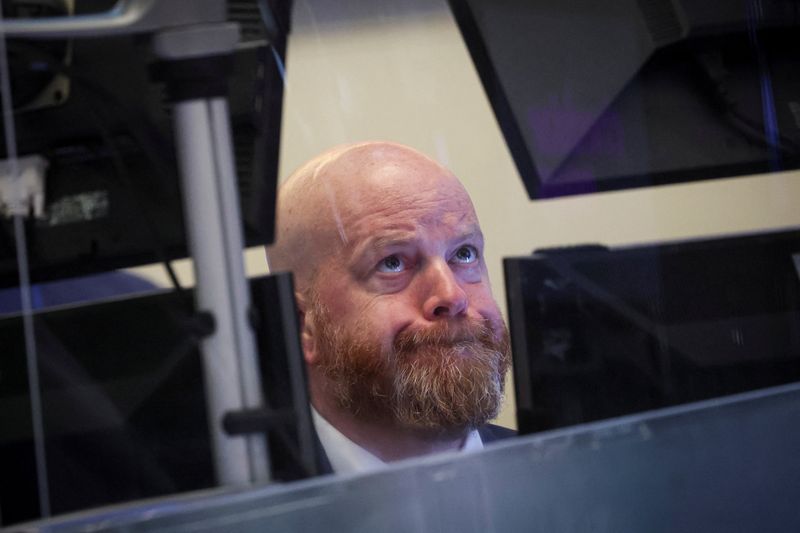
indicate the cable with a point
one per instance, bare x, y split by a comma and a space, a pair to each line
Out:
34, 386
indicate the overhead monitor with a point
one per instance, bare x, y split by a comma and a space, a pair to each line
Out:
599, 96
90, 109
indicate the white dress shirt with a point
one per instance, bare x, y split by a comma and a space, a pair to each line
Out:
347, 457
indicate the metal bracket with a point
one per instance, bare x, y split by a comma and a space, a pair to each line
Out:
125, 18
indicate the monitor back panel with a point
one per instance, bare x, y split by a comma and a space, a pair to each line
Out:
599, 333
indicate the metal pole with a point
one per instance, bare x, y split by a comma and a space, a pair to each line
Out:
229, 354
250, 382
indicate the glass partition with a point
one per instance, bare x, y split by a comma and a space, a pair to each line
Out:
715, 466
101, 359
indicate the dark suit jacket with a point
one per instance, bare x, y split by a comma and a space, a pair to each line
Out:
489, 433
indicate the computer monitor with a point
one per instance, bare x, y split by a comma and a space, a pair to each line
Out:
603, 332
123, 400
112, 185
599, 96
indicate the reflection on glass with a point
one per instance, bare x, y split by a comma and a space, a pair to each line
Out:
129, 385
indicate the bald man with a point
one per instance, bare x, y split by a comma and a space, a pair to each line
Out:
404, 344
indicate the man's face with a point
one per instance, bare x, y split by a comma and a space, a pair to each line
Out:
400, 315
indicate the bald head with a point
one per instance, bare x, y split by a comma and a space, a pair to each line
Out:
321, 204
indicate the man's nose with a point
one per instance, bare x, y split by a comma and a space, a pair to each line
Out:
444, 296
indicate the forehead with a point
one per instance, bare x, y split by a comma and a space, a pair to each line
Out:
399, 196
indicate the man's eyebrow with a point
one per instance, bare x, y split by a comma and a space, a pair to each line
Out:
471, 233
376, 243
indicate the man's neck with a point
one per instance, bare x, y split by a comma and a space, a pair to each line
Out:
384, 438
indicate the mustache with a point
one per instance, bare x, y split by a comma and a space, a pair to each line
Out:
445, 334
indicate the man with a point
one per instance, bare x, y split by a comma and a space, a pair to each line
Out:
405, 346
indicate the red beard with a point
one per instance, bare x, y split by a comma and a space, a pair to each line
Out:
446, 378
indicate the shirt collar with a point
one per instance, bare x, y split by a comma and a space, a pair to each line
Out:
347, 457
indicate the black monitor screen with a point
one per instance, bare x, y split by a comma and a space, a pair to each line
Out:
597, 96
90, 108
599, 333
123, 400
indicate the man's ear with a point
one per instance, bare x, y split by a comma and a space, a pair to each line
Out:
305, 324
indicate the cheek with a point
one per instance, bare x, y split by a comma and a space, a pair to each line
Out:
386, 317
335, 292
378, 319
483, 303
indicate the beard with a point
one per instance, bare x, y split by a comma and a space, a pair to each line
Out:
446, 378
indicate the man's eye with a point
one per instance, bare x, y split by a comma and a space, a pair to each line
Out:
466, 255
391, 263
